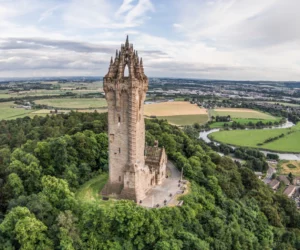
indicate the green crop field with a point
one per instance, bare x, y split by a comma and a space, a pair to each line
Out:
4, 96
243, 121
286, 104
7, 112
251, 138
242, 116
182, 120
74, 103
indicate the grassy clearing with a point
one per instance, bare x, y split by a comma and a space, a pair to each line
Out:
250, 138
182, 120
242, 113
287, 167
90, 191
173, 109
75, 103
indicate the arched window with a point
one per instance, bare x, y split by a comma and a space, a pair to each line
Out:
126, 71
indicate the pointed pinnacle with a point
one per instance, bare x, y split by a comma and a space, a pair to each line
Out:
141, 62
111, 60
127, 41
116, 53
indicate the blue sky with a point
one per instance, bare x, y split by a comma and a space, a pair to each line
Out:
215, 39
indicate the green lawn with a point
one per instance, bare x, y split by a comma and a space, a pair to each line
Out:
182, 120
7, 113
244, 121
90, 191
250, 138
75, 103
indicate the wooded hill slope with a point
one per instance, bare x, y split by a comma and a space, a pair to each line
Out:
44, 160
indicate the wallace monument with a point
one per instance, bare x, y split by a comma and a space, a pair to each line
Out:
133, 167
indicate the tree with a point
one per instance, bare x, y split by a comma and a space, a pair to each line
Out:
291, 177
14, 185
57, 192
31, 234
68, 232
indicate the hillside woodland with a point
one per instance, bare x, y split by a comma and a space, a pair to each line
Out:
44, 160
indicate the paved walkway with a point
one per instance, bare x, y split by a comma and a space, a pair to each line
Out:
167, 191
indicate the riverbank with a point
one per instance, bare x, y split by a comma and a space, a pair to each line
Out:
204, 135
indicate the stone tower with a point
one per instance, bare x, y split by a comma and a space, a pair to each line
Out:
125, 94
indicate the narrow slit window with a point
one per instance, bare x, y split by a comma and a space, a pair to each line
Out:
119, 118
120, 178
119, 150
126, 71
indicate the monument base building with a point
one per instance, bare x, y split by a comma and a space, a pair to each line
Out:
133, 168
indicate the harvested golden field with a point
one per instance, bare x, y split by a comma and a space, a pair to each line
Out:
173, 108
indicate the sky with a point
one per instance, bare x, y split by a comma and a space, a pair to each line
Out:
206, 39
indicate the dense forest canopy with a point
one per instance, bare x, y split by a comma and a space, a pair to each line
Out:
44, 160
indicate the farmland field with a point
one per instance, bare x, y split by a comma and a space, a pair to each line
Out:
242, 116
253, 138
74, 103
173, 108
243, 121
178, 113
182, 120
241, 113
7, 112
287, 104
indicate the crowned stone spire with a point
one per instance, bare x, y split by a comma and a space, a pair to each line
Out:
127, 41
125, 95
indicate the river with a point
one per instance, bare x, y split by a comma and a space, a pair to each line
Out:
282, 156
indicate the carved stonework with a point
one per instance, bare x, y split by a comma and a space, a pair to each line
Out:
129, 177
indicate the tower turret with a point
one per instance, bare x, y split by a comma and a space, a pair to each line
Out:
125, 97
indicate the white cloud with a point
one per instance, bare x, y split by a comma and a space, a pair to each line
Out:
126, 6
233, 39
105, 14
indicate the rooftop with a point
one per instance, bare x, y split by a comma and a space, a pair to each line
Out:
289, 190
153, 156
274, 183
